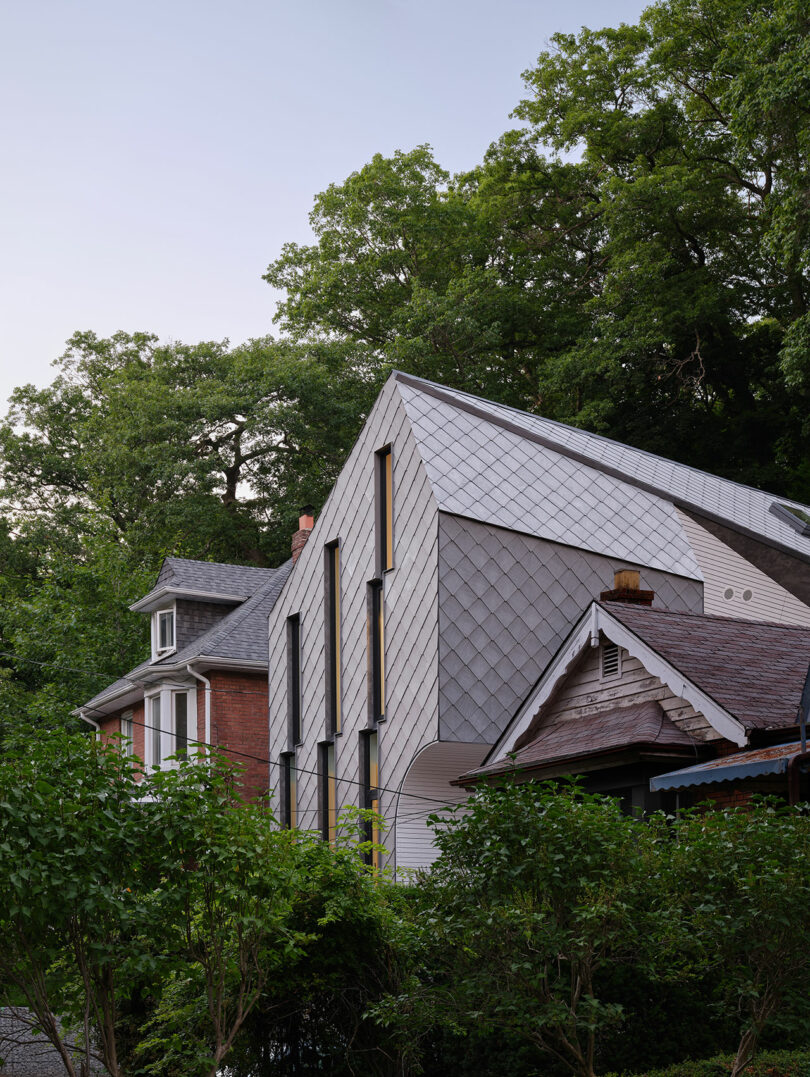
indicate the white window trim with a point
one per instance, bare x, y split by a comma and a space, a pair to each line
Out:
167, 730
157, 651
127, 739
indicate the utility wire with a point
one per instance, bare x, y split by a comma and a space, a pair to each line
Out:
298, 770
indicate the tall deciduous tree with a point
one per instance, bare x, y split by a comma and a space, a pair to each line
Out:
634, 259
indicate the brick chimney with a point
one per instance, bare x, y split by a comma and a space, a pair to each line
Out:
626, 589
306, 521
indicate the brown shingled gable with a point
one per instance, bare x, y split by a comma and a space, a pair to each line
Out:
755, 670
638, 726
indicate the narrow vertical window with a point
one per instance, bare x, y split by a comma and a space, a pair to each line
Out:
328, 797
385, 510
289, 814
376, 644
126, 733
293, 680
180, 747
333, 701
370, 794
155, 730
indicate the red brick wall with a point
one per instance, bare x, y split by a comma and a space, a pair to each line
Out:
111, 726
726, 795
239, 722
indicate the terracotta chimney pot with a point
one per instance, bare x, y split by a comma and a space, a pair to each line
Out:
306, 521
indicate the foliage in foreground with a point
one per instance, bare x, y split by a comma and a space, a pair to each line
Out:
157, 918
543, 900
768, 1064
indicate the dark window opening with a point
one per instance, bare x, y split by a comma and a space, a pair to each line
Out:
294, 680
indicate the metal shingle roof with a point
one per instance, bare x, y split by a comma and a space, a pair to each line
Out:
482, 471
742, 507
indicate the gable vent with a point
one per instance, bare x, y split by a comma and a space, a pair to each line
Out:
610, 660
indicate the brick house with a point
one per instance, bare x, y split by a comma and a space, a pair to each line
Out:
206, 677
454, 555
663, 709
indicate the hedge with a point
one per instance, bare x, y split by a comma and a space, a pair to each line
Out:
766, 1064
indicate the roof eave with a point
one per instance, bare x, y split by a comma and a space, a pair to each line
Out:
156, 597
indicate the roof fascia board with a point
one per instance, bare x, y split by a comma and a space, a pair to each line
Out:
549, 443
586, 632
120, 698
152, 600
681, 686
208, 661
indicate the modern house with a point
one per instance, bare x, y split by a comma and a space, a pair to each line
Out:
206, 677
664, 709
456, 552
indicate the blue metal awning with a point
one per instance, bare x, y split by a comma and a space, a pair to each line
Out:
728, 768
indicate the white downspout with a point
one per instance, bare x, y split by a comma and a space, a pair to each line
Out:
91, 722
207, 684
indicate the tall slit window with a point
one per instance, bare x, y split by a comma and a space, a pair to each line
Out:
289, 814
126, 733
385, 510
333, 686
155, 730
328, 797
376, 643
294, 680
370, 793
180, 724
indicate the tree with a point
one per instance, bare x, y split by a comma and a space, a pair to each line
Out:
634, 260
138, 450
740, 909
534, 893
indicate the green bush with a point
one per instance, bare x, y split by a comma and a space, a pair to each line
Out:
767, 1064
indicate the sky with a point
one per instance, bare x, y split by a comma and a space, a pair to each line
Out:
155, 155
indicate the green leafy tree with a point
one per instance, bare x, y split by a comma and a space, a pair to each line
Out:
740, 910
534, 893
633, 260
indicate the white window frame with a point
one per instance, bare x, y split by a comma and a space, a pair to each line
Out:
166, 735
157, 650
126, 730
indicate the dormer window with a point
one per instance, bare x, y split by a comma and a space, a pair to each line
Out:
163, 639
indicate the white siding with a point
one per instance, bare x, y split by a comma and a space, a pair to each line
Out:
411, 633
584, 692
726, 571
425, 787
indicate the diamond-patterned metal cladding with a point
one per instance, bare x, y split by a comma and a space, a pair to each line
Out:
506, 602
742, 505
479, 470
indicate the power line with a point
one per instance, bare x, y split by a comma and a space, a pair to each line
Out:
298, 770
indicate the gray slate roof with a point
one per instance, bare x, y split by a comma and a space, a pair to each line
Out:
508, 467
211, 576
240, 636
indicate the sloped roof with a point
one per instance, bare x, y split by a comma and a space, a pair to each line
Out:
521, 471
731, 768
241, 636
754, 670
212, 576
638, 726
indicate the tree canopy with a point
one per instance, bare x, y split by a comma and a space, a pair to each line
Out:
632, 257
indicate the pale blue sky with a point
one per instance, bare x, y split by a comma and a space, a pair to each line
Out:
156, 155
